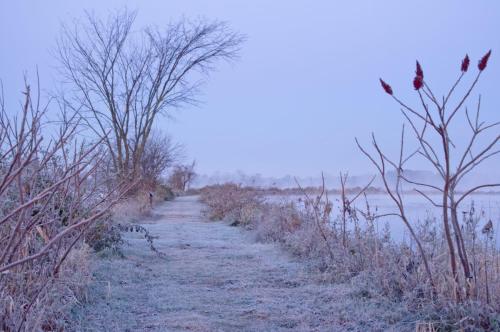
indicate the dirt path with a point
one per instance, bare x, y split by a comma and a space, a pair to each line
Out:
214, 278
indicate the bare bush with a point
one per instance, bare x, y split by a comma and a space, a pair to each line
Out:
160, 154
182, 176
50, 195
231, 201
272, 222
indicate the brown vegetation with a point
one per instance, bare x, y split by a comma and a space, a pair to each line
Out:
231, 201
378, 266
51, 194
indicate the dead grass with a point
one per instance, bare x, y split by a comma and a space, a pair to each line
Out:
377, 266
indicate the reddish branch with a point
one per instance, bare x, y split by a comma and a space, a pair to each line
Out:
434, 118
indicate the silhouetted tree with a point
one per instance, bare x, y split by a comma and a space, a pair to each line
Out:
182, 176
124, 78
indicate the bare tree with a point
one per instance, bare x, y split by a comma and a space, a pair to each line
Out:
182, 176
160, 154
431, 126
125, 79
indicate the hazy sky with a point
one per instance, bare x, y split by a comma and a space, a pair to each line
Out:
307, 80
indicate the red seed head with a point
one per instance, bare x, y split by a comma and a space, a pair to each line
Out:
465, 63
419, 72
387, 88
418, 82
484, 61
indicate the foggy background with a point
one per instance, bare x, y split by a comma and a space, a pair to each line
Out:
307, 80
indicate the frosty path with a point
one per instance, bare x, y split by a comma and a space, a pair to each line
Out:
214, 278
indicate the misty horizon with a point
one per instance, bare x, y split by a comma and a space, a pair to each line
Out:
332, 181
321, 66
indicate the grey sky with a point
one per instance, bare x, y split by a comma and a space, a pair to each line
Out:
307, 80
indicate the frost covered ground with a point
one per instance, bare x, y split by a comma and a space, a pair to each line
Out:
217, 278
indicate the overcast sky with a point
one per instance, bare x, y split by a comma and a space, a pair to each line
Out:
307, 80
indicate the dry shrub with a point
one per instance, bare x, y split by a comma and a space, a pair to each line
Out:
164, 193
231, 201
275, 220
51, 194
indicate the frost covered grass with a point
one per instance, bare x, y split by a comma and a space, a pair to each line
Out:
377, 266
218, 278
